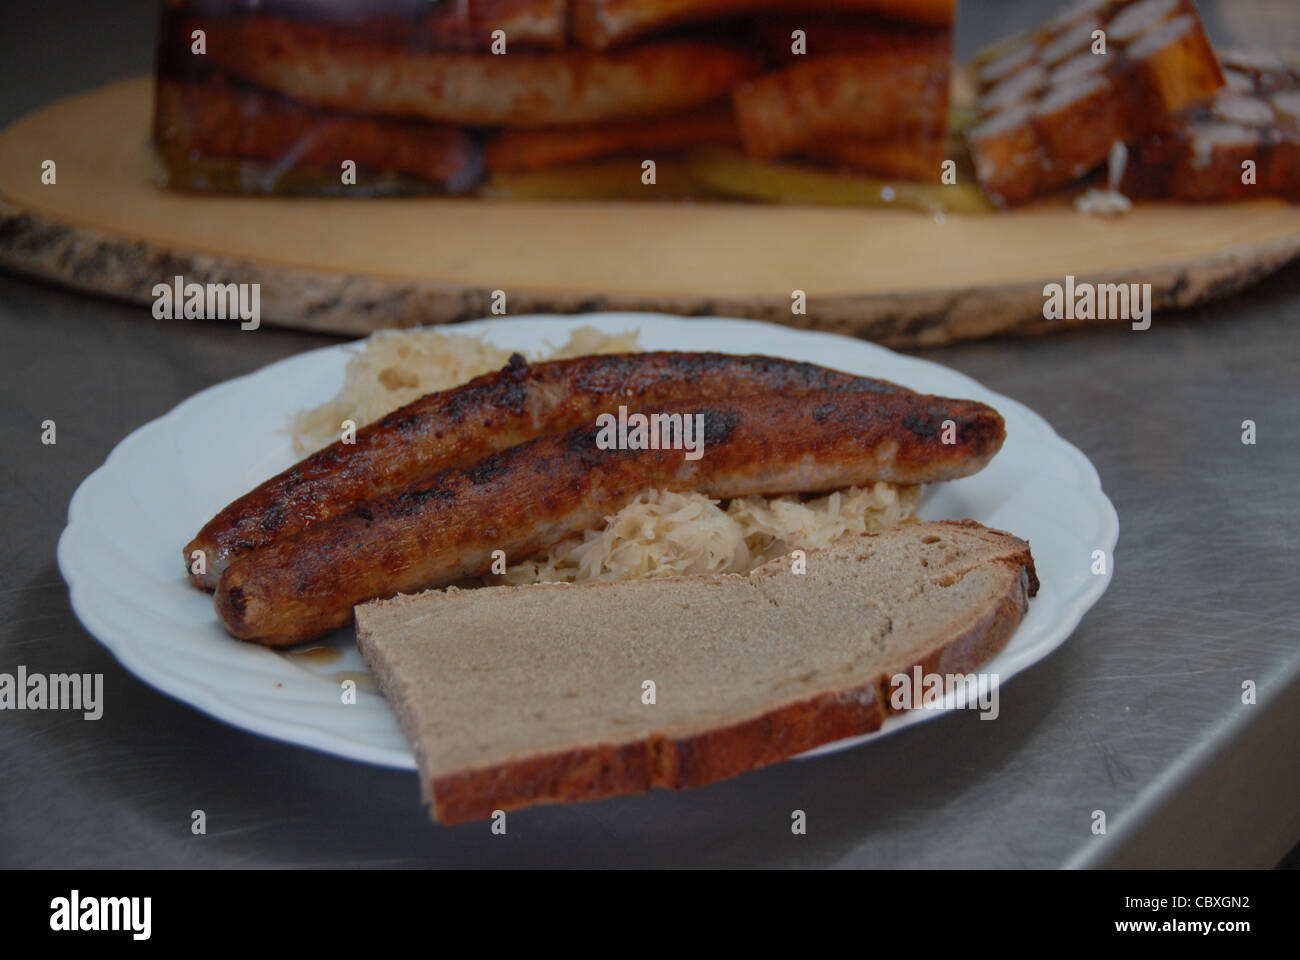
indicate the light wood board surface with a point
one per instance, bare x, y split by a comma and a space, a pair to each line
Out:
353, 266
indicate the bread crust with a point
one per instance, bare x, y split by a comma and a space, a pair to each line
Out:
696, 759
608, 770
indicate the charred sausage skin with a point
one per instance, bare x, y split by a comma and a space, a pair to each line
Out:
493, 412
529, 497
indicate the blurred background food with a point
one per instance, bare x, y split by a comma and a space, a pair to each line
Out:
840, 102
825, 172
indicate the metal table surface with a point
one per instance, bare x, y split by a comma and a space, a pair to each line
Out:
1139, 714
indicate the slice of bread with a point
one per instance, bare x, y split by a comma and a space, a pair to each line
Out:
512, 696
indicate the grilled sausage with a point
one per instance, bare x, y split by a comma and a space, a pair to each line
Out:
460, 426
215, 120
524, 89
526, 499
1050, 108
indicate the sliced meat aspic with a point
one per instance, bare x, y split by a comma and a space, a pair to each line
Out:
528, 89
460, 426
997, 68
1053, 105
1235, 108
1076, 68
1009, 158
1243, 144
1131, 21
1018, 87
217, 120
1287, 105
1202, 161
1069, 43
526, 499
1176, 68
603, 23
1072, 13
1078, 122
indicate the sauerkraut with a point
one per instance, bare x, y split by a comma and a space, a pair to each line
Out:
395, 367
665, 534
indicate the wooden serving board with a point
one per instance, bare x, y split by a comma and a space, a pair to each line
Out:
353, 266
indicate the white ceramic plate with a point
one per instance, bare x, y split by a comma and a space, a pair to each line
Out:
129, 519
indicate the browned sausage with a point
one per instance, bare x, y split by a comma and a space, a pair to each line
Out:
523, 89
460, 426
215, 120
532, 496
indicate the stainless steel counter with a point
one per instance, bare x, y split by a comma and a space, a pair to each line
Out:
1139, 714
